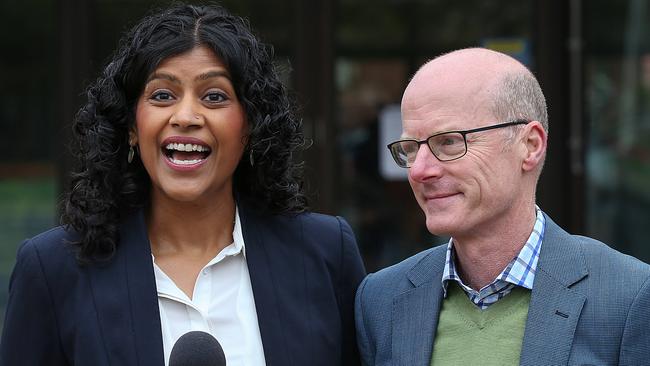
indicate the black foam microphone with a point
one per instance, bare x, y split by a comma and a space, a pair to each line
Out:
197, 348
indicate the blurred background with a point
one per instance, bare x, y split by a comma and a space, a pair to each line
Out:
348, 61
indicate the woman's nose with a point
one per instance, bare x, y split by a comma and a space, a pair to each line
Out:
186, 115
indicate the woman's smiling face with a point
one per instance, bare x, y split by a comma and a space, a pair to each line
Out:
190, 128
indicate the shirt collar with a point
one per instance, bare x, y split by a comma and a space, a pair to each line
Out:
238, 237
519, 272
164, 284
235, 247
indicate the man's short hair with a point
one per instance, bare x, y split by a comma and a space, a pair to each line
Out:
519, 96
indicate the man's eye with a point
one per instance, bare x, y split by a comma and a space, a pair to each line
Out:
449, 141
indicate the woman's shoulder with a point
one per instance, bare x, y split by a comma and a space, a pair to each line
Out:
305, 232
316, 218
50, 248
52, 240
324, 233
318, 238
310, 222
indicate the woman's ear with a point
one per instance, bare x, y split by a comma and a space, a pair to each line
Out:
534, 138
246, 134
133, 136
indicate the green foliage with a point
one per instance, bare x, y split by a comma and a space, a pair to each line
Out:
27, 207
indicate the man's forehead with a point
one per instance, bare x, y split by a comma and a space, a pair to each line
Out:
472, 60
432, 119
465, 71
425, 101
437, 84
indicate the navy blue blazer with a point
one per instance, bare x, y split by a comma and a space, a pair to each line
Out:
304, 272
590, 305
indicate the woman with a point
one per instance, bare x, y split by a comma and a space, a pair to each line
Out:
186, 213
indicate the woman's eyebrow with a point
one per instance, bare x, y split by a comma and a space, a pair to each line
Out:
164, 76
213, 74
201, 77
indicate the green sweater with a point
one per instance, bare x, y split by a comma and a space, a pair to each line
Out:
467, 335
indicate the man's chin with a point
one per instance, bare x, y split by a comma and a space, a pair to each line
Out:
440, 227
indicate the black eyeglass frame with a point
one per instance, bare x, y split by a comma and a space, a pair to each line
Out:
464, 133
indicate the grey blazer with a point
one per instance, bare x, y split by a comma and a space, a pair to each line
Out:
590, 305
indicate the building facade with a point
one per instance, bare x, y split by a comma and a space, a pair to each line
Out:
348, 62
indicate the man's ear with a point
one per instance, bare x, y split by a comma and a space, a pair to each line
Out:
534, 138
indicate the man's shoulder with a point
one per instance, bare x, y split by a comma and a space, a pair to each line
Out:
601, 256
400, 268
395, 278
604, 266
596, 253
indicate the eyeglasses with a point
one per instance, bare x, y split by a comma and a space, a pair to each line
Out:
445, 146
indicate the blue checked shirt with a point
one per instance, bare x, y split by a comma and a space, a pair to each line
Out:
519, 272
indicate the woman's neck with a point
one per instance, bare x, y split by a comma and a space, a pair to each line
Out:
180, 227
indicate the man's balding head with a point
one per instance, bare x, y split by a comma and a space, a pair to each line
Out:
466, 102
506, 87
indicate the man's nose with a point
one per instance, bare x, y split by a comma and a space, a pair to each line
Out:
425, 166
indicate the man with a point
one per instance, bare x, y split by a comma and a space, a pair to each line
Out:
511, 287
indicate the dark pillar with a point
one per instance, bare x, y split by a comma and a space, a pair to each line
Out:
313, 67
559, 70
74, 72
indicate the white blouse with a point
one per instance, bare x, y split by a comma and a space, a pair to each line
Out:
222, 305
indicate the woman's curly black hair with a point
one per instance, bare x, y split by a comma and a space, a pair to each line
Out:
105, 186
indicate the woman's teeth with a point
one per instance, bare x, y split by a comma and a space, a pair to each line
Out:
186, 154
185, 162
186, 147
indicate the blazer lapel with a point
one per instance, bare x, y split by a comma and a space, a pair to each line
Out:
554, 307
276, 351
415, 312
125, 296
